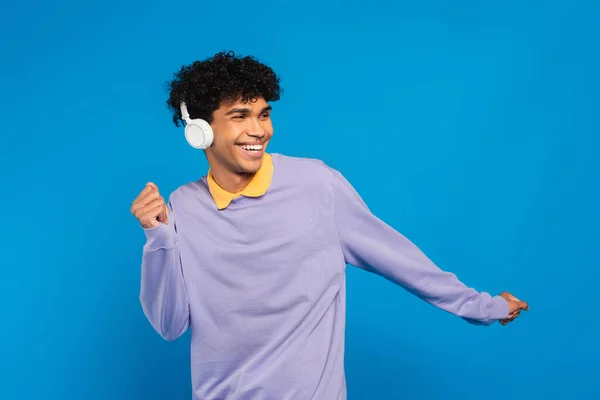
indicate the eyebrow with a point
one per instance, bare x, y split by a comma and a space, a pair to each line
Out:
246, 110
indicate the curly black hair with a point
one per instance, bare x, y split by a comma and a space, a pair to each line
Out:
204, 85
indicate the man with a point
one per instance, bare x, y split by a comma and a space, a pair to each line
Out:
252, 256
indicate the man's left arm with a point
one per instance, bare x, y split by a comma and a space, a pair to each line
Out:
370, 244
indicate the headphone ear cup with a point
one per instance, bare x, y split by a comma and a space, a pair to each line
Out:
199, 134
209, 135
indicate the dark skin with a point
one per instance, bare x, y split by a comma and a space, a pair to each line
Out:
234, 124
515, 306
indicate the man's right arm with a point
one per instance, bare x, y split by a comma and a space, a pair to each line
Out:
162, 293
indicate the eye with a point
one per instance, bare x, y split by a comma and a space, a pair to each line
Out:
238, 117
265, 115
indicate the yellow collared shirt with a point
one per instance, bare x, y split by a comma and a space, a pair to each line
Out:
257, 187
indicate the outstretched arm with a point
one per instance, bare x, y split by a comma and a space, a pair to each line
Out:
370, 244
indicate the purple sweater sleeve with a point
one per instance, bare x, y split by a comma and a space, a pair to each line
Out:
162, 294
372, 245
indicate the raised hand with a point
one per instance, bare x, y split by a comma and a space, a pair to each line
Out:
149, 207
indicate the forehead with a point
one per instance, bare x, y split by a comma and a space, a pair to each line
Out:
256, 105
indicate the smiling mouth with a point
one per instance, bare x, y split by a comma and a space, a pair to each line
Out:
251, 148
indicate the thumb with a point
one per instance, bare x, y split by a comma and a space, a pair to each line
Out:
513, 298
163, 216
515, 306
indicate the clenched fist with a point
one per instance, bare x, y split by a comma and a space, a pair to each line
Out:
514, 306
149, 207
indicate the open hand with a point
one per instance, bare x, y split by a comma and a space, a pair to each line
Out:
514, 306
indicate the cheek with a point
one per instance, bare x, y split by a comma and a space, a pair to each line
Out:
226, 136
268, 127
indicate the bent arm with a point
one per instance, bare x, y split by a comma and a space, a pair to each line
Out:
370, 244
162, 293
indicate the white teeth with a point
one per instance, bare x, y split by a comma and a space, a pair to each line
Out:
251, 147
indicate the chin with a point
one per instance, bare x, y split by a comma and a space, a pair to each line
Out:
248, 162
250, 167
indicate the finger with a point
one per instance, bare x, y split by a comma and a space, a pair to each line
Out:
144, 200
150, 213
148, 188
140, 209
162, 217
517, 306
154, 204
512, 316
148, 198
150, 191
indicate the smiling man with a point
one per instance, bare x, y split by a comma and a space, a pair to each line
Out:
238, 150
252, 256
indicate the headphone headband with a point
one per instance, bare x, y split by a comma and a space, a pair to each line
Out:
185, 115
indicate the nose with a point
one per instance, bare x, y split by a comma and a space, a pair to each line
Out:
256, 129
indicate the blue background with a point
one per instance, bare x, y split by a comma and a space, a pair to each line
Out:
470, 126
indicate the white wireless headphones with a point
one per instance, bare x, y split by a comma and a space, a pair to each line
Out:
198, 132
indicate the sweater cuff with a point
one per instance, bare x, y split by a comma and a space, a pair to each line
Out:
499, 308
161, 236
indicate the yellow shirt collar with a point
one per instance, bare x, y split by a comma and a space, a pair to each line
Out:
257, 187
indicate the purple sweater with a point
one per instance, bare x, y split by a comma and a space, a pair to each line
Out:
262, 282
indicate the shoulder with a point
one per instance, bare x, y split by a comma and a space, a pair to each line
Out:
316, 176
303, 169
190, 193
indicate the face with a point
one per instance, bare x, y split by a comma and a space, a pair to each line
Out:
241, 134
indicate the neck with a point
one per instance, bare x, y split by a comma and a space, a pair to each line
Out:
231, 181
